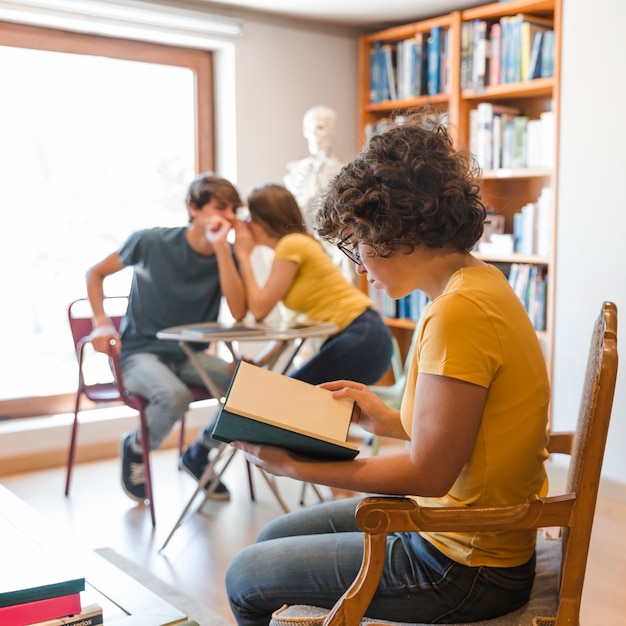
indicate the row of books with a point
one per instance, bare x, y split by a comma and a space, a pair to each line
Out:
410, 307
501, 137
420, 65
530, 284
532, 226
516, 48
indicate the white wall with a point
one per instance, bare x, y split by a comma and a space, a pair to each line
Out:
591, 253
282, 68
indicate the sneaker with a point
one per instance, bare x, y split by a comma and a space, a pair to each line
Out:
194, 461
133, 471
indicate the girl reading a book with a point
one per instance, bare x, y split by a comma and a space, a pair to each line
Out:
408, 212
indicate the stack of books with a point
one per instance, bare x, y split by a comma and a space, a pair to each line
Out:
39, 585
47, 600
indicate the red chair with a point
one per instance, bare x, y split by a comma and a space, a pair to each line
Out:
111, 391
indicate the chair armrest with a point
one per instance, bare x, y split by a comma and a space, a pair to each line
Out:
375, 515
378, 515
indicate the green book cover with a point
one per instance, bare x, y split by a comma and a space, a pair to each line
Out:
17, 594
232, 427
34, 572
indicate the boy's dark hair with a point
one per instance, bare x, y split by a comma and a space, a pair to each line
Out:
207, 186
409, 187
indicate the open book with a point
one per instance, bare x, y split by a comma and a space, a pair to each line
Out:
265, 407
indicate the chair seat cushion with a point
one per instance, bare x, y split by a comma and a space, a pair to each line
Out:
543, 599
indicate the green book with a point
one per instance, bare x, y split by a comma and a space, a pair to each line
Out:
265, 407
32, 572
11, 595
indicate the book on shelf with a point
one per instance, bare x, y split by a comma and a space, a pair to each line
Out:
534, 145
375, 72
39, 610
406, 59
495, 41
434, 58
548, 138
480, 57
520, 125
445, 61
421, 64
534, 63
265, 407
467, 40
388, 72
91, 615
547, 54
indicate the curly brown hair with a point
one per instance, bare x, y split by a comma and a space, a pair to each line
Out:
409, 187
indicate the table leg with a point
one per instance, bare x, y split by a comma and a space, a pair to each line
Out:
208, 383
209, 477
209, 473
271, 483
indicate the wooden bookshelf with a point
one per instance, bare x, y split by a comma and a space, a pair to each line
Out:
506, 190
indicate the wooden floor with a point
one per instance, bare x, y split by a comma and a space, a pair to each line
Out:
98, 514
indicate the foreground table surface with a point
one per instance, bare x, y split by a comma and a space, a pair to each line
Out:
125, 602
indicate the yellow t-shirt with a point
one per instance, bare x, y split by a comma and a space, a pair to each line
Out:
319, 290
479, 332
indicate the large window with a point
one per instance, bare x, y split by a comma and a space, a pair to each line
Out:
98, 137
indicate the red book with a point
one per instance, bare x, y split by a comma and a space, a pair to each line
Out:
40, 610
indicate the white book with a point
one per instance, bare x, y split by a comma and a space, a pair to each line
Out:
473, 130
544, 222
496, 135
484, 137
548, 138
530, 228
534, 144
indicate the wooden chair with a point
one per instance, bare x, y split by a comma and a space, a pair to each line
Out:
112, 389
561, 562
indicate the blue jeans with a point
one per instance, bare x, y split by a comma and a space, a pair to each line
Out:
312, 555
360, 352
165, 387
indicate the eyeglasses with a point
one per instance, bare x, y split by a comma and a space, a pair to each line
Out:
351, 253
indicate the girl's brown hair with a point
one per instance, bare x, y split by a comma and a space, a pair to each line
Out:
276, 209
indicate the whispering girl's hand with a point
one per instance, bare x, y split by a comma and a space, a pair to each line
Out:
244, 240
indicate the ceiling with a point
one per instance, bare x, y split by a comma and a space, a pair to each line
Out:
372, 13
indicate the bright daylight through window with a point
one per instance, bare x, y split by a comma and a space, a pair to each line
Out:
91, 148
